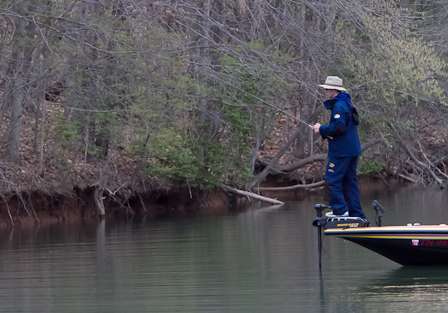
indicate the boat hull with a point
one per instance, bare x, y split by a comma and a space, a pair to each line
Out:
406, 245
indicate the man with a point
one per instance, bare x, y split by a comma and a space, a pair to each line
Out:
344, 149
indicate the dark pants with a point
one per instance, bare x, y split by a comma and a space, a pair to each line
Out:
343, 185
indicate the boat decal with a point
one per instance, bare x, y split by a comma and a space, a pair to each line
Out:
397, 236
430, 243
348, 225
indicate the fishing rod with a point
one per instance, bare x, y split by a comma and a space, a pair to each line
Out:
286, 113
276, 108
264, 102
296, 118
283, 111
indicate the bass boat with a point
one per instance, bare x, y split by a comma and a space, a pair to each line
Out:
413, 244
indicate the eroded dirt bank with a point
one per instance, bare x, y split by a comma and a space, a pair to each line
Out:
40, 208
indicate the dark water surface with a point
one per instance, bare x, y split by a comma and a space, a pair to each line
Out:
263, 260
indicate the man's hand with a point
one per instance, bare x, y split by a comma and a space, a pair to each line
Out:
316, 128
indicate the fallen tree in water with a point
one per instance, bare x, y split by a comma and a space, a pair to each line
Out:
252, 195
287, 170
421, 166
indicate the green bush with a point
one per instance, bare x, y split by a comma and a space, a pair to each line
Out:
68, 132
370, 167
172, 157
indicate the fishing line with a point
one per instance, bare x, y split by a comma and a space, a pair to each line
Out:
263, 101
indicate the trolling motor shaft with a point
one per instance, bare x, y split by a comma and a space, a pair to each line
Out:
319, 222
325, 222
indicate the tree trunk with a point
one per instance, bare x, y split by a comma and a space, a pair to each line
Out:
98, 196
261, 176
19, 72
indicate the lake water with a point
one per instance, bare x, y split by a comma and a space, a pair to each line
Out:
262, 260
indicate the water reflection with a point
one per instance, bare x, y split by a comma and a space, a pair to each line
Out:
264, 260
405, 289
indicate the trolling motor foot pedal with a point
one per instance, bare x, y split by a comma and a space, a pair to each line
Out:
338, 221
346, 222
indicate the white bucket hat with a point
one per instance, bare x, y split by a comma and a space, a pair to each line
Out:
333, 82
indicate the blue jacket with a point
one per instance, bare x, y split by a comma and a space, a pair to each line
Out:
341, 131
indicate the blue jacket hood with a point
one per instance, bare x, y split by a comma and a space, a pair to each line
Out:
342, 96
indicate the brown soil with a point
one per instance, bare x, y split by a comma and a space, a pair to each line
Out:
37, 208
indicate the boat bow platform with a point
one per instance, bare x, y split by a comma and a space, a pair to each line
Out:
406, 245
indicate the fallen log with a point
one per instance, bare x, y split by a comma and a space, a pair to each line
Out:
407, 178
298, 186
252, 195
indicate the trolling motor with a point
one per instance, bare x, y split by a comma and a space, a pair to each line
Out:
325, 222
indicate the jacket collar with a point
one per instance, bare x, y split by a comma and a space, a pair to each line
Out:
342, 96
329, 104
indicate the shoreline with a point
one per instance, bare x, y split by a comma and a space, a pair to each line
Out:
36, 208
